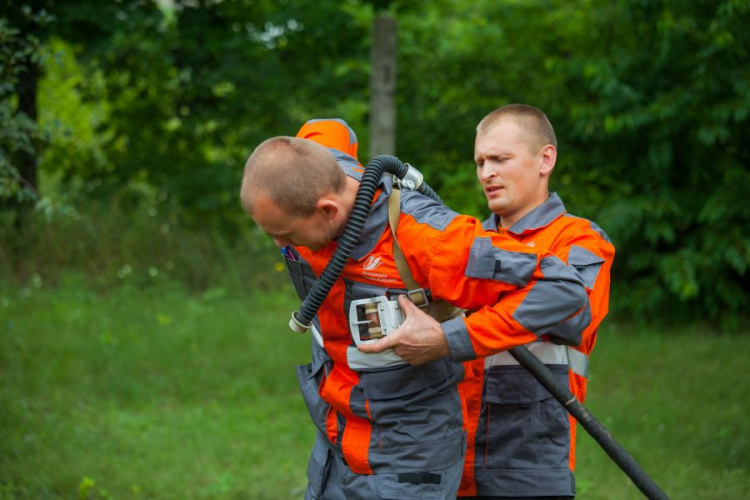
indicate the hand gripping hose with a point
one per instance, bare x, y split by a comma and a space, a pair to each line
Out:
409, 178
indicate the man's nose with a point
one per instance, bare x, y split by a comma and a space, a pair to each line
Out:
486, 173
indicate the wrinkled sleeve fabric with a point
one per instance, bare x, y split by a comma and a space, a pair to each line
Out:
586, 253
590, 254
512, 286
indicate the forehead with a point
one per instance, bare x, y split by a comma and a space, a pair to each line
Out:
272, 219
504, 134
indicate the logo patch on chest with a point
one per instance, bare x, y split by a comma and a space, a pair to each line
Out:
384, 275
372, 263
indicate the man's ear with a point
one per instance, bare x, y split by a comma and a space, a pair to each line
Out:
548, 157
330, 208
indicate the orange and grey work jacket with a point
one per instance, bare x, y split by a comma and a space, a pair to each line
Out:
384, 415
521, 442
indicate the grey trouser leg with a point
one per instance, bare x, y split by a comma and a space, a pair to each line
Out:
329, 478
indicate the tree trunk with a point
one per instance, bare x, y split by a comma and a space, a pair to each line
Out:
383, 86
27, 161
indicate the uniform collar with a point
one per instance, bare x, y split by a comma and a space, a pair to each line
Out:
348, 164
538, 218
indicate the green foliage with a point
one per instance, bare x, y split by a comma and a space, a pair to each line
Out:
666, 119
186, 93
650, 101
18, 132
75, 152
177, 96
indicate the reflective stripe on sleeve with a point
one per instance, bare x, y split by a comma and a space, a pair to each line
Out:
549, 354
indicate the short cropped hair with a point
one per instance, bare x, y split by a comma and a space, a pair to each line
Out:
532, 120
294, 173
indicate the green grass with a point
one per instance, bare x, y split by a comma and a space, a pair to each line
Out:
678, 401
158, 393
149, 394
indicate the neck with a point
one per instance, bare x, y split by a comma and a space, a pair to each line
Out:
348, 196
511, 220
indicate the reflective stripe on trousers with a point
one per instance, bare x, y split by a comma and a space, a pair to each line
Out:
549, 354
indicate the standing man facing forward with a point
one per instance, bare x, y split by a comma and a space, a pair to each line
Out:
526, 445
521, 441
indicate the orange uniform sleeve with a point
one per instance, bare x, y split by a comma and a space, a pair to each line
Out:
526, 293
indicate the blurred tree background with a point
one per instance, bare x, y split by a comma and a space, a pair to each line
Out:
125, 124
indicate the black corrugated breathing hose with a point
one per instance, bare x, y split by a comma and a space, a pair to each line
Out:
301, 321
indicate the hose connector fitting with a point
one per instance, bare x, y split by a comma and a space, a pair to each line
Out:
412, 179
298, 326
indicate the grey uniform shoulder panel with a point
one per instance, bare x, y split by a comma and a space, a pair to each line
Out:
348, 164
489, 262
554, 299
586, 263
426, 210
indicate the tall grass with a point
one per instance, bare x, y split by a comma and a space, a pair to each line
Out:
140, 242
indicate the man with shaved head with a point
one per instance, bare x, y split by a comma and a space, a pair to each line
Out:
390, 420
526, 448
302, 197
521, 442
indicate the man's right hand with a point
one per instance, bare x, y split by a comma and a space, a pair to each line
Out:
419, 340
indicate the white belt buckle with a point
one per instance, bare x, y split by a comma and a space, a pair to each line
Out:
374, 318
